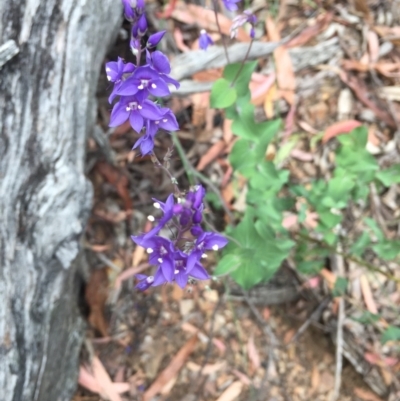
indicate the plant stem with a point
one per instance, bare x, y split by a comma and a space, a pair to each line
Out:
192, 172
220, 31
157, 162
242, 65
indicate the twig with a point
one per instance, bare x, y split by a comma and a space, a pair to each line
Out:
315, 315
208, 350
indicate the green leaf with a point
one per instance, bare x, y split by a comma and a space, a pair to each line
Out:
228, 264
387, 249
392, 333
242, 80
255, 259
356, 139
340, 287
360, 246
389, 176
367, 318
222, 94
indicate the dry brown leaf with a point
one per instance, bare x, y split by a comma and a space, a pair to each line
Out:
289, 122
211, 154
284, 67
253, 354
232, 392
311, 31
132, 271
227, 131
180, 44
118, 179
104, 381
96, 294
342, 127
366, 395
171, 370
329, 277
315, 380
242, 377
361, 92
367, 295
373, 46
259, 89
269, 101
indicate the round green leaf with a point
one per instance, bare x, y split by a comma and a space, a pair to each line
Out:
222, 94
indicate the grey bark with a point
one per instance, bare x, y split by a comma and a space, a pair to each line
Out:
47, 108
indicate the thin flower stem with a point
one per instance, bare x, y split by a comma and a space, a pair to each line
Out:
220, 31
192, 172
157, 162
243, 63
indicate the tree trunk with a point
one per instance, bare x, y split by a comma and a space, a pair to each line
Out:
47, 108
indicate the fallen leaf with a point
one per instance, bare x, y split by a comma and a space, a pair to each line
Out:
366, 395
289, 122
390, 92
104, 381
362, 6
311, 31
253, 354
284, 67
116, 178
373, 46
315, 380
171, 370
242, 377
168, 10
270, 97
208, 369
259, 90
367, 295
211, 154
132, 271
302, 155
360, 91
232, 392
180, 44
341, 127
96, 294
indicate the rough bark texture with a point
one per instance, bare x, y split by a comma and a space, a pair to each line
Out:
47, 108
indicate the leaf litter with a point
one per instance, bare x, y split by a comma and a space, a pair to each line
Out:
217, 349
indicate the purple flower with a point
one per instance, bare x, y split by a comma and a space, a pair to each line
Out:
130, 108
155, 39
205, 40
231, 5
205, 242
128, 10
240, 20
160, 63
115, 71
144, 81
161, 252
182, 273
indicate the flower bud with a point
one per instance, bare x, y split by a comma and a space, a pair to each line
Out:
196, 231
155, 39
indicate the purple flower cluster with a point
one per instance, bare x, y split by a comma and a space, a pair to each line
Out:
179, 258
134, 85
